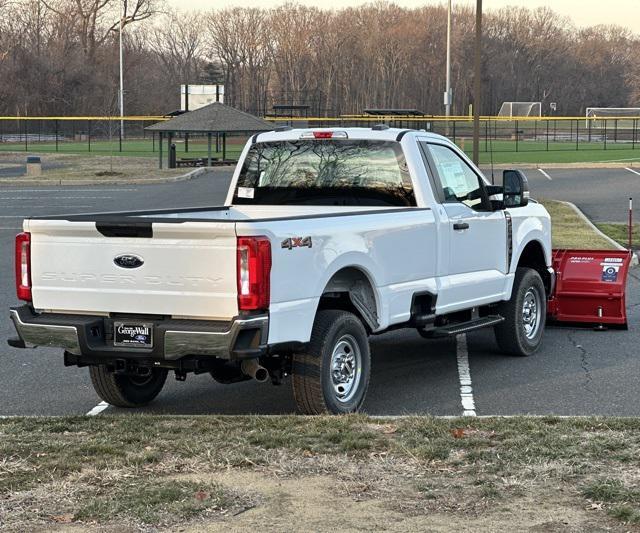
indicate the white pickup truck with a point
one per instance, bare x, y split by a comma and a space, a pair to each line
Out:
326, 237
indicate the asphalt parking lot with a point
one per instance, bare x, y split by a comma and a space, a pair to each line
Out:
577, 372
601, 193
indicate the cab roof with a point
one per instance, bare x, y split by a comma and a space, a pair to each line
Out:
373, 133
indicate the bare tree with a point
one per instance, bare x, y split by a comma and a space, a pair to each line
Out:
60, 56
94, 20
178, 42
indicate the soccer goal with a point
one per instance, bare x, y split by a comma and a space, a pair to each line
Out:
520, 109
622, 117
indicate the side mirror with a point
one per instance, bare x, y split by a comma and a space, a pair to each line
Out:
515, 192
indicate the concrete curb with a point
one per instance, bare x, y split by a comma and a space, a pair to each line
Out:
132, 181
617, 245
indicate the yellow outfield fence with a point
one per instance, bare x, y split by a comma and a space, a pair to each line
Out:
144, 118
440, 118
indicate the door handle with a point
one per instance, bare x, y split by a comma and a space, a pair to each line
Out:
461, 225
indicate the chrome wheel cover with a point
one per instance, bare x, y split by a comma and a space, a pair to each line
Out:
346, 368
531, 313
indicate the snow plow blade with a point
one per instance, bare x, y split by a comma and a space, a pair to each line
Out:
590, 287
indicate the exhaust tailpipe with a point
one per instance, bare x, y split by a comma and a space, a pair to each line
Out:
252, 368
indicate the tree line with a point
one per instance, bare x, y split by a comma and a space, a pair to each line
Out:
60, 57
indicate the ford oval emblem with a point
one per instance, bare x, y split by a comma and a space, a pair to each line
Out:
129, 261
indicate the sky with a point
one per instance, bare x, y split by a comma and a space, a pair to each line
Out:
582, 12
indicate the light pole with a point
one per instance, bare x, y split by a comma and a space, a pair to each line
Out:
477, 87
122, 18
447, 94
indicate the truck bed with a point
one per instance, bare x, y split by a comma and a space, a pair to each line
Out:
189, 255
256, 213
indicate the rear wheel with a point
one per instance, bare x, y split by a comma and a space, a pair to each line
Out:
525, 315
125, 390
332, 375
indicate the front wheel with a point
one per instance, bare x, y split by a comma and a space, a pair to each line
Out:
332, 375
524, 315
127, 390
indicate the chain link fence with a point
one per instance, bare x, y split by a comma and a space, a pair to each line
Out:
102, 135
506, 135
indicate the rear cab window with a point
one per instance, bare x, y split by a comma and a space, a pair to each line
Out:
346, 172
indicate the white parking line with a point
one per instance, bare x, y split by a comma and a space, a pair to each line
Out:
464, 376
54, 197
63, 190
631, 170
545, 174
43, 206
98, 409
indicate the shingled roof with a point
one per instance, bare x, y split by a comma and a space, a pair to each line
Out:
213, 118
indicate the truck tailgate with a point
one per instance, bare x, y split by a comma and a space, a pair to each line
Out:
188, 269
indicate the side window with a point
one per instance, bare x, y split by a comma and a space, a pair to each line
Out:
459, 182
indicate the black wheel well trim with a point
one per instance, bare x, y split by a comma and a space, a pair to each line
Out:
357, 300
536, 260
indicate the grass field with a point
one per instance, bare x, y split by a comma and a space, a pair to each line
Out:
570, 231
130, 148
504, 152
212, 473
558, 152
620, 233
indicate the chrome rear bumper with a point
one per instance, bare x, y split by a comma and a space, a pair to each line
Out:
220, 344
85, 335
34, 335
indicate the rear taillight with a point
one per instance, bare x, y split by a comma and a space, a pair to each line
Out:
23, 266
254, 273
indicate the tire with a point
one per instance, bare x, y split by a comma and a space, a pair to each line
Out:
525, 315
121, 390
339, 339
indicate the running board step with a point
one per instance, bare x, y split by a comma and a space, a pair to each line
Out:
464, 327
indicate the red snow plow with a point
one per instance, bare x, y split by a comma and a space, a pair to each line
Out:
590, 287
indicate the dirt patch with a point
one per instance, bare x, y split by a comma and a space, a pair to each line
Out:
79, 167
108, 173
214, 473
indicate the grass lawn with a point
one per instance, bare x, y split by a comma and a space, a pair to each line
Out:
619, 155
130, 148
212, 473
531, 152
570, 231
620, 233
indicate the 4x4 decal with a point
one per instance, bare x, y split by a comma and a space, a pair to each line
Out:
297, 242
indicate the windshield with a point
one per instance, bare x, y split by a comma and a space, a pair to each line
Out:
325, 172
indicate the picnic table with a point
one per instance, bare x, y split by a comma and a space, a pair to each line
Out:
194, 161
